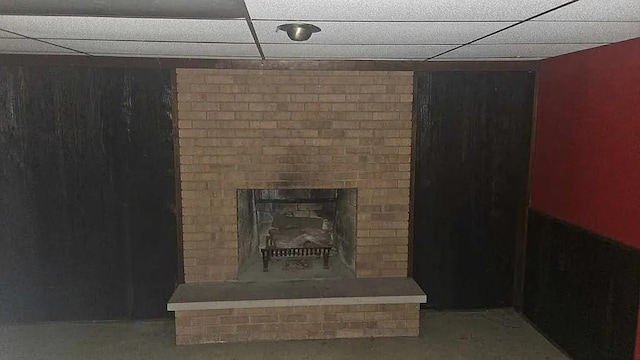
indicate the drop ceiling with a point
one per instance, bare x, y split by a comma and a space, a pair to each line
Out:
444, 30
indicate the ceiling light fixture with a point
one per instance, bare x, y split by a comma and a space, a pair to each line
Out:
299, 32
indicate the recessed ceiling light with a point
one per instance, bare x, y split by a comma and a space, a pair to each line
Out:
299, 32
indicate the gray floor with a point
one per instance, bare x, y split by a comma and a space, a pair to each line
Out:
493, 334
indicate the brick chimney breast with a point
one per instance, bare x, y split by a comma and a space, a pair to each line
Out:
268, 129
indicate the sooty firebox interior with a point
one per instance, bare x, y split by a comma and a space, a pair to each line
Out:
286, 234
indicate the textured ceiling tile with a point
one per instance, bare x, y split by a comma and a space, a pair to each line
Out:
160, 49
360, 52
566, 32
28, 46
6, 35
400, 10
106, 28
384, 32
597, 10
514, 51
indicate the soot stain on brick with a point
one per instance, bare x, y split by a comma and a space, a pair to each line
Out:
288, 177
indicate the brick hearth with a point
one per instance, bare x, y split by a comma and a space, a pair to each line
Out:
302, 309
296, 323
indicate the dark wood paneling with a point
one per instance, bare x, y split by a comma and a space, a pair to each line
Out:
178, 183
362, 65
87, 227
521, 244
581, 289
470, 185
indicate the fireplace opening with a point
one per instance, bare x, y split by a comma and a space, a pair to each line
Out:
290, 234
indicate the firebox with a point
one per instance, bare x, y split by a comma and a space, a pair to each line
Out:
287, 234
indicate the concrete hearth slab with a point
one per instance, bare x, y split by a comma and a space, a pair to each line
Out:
234, 295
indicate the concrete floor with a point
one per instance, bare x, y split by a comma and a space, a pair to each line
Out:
491, 334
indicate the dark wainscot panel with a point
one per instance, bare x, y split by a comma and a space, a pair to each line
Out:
581, 289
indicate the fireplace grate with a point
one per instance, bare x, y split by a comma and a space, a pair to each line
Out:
272, 252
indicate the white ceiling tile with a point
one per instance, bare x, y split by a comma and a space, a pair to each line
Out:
384, 32
597, 10
527, 51
162, 49
108, 28
360, 52
6, 35
565, 32
28, 46
400, 10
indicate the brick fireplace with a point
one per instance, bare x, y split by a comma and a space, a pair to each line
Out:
241, 129
268, 129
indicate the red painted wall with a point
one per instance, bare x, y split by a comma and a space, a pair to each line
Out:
586, 163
